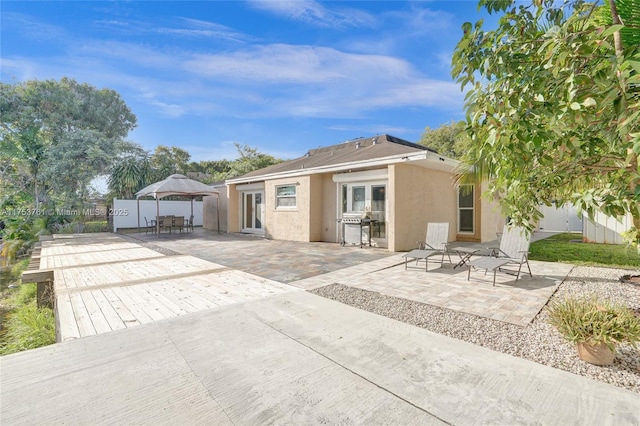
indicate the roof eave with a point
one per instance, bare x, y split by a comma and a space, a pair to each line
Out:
425, 159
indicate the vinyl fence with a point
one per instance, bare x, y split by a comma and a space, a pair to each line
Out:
606, 229
125, 212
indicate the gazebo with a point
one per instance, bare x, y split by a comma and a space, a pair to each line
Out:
176, 185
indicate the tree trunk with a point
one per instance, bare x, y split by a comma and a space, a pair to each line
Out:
617, 37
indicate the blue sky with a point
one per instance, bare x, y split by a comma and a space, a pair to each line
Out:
281, 76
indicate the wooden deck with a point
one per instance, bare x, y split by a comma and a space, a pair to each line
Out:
104, 283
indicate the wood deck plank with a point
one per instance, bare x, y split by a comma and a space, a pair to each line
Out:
66, 319
85, 326
96, 314
120, 307
152, 289
188, 300
108, 311
156, 304
134, 304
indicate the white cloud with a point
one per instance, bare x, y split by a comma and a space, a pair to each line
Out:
314, 13
280, 63
31, 28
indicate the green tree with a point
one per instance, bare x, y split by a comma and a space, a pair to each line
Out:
450, 139
553, 108
249, 160
129, 175
167, 161
55, 137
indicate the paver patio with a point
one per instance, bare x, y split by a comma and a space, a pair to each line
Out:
516, 302
313, 265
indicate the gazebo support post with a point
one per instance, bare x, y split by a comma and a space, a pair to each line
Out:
157, 217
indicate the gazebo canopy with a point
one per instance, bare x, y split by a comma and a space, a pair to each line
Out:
176, 185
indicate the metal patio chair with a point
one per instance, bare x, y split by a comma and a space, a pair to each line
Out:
435, 244
513, 250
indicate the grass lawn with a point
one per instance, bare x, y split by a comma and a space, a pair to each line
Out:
564, 248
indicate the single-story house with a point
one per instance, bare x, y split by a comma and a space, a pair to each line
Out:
402, 185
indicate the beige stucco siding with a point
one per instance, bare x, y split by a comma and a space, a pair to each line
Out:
316, 204
233, 209
291, 224
418, 196
492, 218
329, 209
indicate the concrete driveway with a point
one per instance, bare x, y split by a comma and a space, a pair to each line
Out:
294, 358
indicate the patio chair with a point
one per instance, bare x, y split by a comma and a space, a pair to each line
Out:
164, 222
178, 223
513, 250
435, 244
150, 226
168, 222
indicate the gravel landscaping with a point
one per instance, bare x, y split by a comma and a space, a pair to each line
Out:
538, 341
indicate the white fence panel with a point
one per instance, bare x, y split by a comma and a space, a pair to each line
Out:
606, 229
560, 219
125, 212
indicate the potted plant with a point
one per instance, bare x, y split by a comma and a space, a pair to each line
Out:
595, 326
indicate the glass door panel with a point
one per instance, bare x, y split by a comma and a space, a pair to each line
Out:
378, 210
252, 211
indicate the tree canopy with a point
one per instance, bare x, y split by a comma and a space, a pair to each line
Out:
139, 169
449, 139
55, 137
553, 106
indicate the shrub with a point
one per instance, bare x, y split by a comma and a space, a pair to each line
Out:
594, 322
27, 326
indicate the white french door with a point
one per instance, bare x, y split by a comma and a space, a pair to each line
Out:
253, 211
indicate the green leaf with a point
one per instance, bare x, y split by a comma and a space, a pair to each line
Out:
612, 29
635, 64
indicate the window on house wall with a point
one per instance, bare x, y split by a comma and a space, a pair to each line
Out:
358, 198
344, 198
285, 196
466, 209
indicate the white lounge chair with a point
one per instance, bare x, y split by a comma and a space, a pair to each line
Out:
514, 249
435, 244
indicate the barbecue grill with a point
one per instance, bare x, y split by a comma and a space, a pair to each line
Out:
355, 229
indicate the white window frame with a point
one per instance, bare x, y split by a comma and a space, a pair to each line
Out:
281, 197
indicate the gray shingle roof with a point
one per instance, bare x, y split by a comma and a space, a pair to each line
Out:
347, 152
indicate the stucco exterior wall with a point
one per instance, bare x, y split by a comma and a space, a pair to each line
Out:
291, 224
418, 196
316, 205
492, 220
233, 206
329, 209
